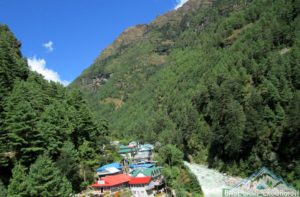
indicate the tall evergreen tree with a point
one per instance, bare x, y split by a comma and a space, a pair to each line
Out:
56, 126
86, 128
12, 67
20, 126
37, 115
68, 163
171, 155
89, 159
45, 179
18, 183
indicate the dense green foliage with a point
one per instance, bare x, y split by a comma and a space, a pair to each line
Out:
18, 185
3, 190
45, 179
177, 176
44, 120
13, 67
222, 83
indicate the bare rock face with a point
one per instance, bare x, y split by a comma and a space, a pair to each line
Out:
95, 82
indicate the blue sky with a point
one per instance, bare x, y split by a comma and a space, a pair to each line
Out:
61, 38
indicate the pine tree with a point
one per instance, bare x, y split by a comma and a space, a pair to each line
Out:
171, 155
86, 128
56, 126
68, 163
45, 179
85, 125
12, 67
228, 124
20, 126
88, 159
18, 183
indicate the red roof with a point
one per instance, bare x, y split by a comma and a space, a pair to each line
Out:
139, 180
112, 180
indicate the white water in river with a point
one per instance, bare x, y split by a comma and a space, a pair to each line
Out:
211, 181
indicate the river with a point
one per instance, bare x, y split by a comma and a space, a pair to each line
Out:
211, 181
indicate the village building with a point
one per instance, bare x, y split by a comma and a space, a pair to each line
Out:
153, 172
144, 153
142, 157
141, 186
111, 184
133, 144
127, 151
145, 147
138, 186
140, 165
143, 180
110, 169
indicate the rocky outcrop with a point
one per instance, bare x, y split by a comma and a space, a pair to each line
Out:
95, 82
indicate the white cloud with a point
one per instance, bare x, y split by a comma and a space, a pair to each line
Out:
180, 3
49, 46
39, 65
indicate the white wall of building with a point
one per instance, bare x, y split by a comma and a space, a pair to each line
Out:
140, 191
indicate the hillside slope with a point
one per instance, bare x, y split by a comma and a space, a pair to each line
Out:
220, 79
50, 143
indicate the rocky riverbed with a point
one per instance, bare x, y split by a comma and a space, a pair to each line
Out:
212, 182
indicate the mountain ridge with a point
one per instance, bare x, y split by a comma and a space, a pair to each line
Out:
221, 84
135, 33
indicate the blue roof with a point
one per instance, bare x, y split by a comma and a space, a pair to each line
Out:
144, 165
111, 165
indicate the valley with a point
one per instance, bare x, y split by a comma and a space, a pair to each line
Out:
215, 82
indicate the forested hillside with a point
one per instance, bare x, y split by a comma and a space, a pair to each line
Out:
50, 141
219, 79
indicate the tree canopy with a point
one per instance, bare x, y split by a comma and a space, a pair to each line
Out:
220, 82
38, 117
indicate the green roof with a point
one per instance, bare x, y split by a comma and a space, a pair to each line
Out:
154, 171
123, 147
125, 151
